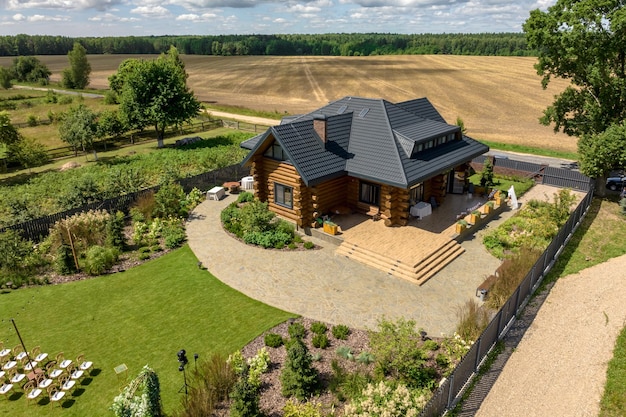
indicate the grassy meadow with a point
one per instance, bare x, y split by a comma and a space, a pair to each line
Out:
141, 316
500, 99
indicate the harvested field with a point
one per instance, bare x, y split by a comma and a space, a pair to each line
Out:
499, 98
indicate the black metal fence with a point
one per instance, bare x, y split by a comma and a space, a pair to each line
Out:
38, 229
544, 174
452, 388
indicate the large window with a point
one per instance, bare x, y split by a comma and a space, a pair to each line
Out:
276, 152
283, 195
369, 193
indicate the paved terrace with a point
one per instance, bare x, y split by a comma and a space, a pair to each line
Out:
323, 286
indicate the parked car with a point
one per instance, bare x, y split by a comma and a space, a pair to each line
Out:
616, 183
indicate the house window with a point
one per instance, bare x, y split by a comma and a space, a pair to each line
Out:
369, 193
283, 195
276, 152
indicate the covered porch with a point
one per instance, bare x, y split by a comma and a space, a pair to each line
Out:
415, 252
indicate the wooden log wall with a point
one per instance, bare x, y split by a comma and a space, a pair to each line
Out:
266, 172
327, 196
394, 205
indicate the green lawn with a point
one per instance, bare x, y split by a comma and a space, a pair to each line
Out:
142, 316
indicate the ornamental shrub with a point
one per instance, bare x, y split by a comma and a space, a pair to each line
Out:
321, 341
245, 197
64, 261
318, 327
395, 347
430, 345
99, 259
382, 399
299, 379
169, 201
273, 340
309, 245
296, 330
256, 217
340, 331
347, 385
307, 409
115, 231
173, 233
245, 398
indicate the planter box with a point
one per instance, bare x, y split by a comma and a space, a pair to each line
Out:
460, 228
474, 218
487, 209
331, 229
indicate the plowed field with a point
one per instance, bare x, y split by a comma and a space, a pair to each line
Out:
499, 98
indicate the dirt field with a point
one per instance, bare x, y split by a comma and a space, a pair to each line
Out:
499, 98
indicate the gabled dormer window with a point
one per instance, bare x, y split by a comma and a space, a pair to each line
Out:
275, 151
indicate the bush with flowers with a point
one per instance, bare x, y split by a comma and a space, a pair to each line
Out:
385, 399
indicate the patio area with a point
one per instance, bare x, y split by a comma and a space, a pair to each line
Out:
414, 252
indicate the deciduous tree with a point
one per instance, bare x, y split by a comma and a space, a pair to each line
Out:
30, 69
79, 128
583, 41
154, 93
5, 78
77, 75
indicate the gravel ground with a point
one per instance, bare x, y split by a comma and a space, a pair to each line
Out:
559, 366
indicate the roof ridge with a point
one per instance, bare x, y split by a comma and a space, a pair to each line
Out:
385, 105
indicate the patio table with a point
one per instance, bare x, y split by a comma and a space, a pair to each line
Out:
421, 209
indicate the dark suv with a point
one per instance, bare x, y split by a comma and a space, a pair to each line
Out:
616, 183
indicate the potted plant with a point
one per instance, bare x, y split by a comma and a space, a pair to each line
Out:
500, 197
330, 227
461, 226
475, 216
488, 207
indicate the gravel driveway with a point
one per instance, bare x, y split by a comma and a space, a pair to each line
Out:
559, 366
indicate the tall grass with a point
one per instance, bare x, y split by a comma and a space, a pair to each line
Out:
473, 319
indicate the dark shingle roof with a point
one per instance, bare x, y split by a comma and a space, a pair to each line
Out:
370, 139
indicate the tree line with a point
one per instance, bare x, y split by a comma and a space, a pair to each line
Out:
337, 44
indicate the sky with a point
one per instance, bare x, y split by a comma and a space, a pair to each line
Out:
82, 18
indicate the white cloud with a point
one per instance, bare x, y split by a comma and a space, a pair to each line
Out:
205, 17
153, 12
61, 4
19, 17
109, 18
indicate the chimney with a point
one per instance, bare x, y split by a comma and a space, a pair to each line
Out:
319, 125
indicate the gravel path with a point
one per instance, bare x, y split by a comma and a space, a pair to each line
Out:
558, 367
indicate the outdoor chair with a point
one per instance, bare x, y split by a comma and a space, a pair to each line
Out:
61, 362
82, 364
74, 373
433, 202
5, 389
37, 355
16, 377
43, 381
29, 366
53, 372
66, 383
32, 391
19, 353
4, 353
55, 394
9, 365
2, 374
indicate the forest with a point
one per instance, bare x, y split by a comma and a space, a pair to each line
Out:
338, 44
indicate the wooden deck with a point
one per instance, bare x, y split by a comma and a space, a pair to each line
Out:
415, 252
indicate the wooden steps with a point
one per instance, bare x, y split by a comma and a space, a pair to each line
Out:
417, 272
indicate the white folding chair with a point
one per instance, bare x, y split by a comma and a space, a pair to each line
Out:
83, 365
32, 391
55, 394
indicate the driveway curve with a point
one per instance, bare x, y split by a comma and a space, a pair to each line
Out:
323, 286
